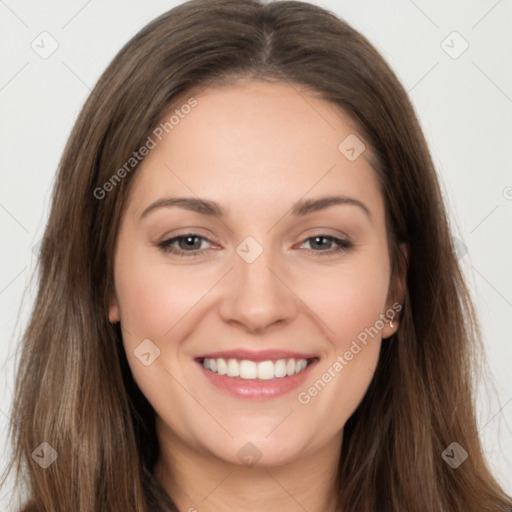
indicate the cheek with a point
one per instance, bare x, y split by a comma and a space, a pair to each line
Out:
154, 298
350, 303
348, 299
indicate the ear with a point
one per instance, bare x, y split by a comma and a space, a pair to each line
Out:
397, 291
113, 309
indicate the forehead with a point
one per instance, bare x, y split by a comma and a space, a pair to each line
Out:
256, 141
249, 114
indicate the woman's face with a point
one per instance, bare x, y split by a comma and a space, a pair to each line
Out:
269, 277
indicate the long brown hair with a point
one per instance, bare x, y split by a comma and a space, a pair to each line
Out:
74, 389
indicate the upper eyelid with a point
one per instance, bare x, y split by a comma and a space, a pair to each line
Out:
184, 235
197, 231
172, 239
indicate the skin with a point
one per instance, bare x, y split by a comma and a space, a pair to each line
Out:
255, 148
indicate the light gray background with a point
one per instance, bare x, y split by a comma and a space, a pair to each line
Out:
464, 105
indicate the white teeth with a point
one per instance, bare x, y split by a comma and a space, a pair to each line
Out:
248, 369
280, 368
266, 370
233, 368
263, 370
222, 367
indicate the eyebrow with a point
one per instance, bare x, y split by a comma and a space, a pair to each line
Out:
211, 208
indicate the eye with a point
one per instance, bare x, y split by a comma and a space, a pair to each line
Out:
188, 245
319, 241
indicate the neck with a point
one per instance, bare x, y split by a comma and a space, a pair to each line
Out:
198, 481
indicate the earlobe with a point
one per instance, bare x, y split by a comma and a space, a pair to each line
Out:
392, 325
113, 310
397, 295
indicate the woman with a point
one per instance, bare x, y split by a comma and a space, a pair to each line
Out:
256, 369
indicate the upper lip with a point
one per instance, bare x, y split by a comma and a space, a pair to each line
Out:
257, 355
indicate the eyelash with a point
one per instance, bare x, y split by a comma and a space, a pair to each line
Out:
166, 247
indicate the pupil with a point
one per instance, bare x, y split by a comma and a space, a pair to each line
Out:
317, 238
189, 241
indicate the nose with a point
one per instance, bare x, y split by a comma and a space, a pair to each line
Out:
257, 295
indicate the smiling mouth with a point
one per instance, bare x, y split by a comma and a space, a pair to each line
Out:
247, 369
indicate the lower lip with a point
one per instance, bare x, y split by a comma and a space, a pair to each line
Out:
257, 389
